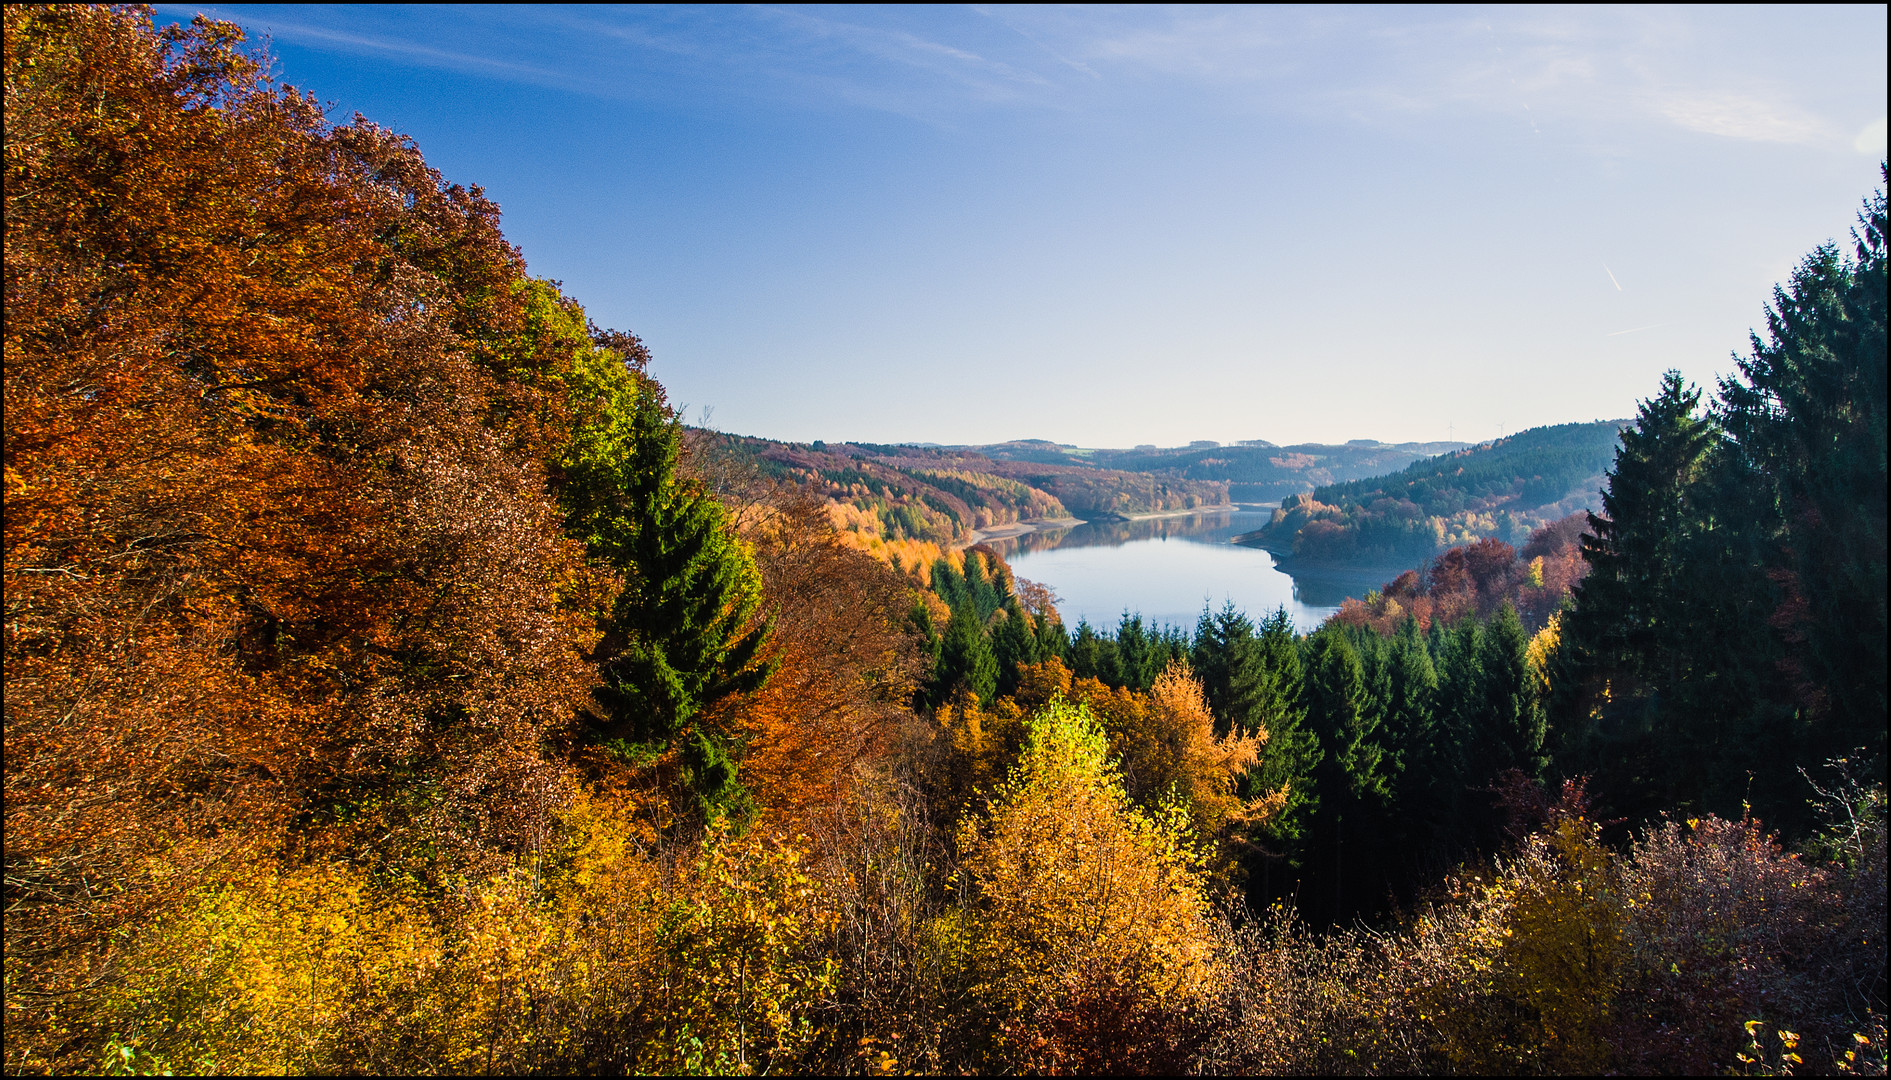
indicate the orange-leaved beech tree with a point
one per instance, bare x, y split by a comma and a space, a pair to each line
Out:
278, 543
845, 664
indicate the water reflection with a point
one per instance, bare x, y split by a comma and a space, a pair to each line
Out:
1207, 527
1168, 568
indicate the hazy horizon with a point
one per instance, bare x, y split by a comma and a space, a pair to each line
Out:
1110, 227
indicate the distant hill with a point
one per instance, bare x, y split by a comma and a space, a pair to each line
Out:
904, 498
1256, 471
1504, 489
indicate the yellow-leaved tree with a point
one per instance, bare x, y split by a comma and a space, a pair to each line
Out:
1089, 938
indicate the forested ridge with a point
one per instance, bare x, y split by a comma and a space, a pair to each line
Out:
1254, 470
394, 684
1502, 489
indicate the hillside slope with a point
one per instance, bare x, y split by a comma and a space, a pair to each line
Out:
1503, 489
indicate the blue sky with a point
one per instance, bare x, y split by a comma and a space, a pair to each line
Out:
1119, 226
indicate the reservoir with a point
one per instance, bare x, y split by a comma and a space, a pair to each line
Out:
1167, 568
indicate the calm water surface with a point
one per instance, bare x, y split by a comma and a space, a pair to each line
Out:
1168, 568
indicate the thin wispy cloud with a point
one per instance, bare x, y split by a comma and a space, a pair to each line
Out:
998, 15
1348, 65
411, 51
1737, 116
988, 79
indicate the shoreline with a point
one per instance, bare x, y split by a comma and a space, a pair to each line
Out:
1013, 530
1024, 528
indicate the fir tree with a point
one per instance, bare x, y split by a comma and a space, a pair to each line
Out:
965, 659
1807, 417
1507, 727
1343, 845
1093, 656
1289, 758
1630, 604
1013, 644
685, 631
1226, 658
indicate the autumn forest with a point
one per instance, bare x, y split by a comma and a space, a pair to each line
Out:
394, 683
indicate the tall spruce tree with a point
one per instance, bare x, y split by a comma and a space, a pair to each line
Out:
1344, 846
1629, 638
1507, 723
1093, 656
1630, 605
965, 659
1807, 416
1732, 629
1225, 656
1137, 653
1423, 794
686, 630
1052, 638
1013, 644
1288, 760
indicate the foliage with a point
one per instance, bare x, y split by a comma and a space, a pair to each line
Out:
276, 974
1806, 420
737, 978
277, 540
1479, 578
1087, 930
845, 665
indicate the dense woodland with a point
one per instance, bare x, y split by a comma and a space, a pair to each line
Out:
1504, 489
393, 684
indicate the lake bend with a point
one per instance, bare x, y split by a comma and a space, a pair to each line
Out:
1167, 568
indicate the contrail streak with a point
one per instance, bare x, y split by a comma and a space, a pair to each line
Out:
1637, 330
1612, 281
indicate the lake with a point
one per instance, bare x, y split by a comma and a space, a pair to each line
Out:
1167, 568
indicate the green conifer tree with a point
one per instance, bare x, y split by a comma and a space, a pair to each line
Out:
1507, 727
1093, 656
1634, 637
1344, 842
966, 659
1807, 416
1287, 761
1631, 605
686, 630
1013, 644
1226, 657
